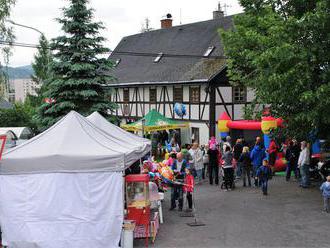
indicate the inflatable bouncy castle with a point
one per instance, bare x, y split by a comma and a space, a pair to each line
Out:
266, 125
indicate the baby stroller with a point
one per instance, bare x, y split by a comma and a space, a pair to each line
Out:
223, 184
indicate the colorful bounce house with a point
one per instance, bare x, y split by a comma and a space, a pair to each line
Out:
266, 124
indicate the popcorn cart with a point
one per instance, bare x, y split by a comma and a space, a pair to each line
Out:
138, 203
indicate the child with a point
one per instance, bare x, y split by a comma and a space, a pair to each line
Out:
263, 174
325, 189
189, 187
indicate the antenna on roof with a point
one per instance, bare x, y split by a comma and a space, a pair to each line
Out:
180, 17
225, 7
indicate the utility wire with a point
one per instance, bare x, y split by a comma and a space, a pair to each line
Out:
124, 53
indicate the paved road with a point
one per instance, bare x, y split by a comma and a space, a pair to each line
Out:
288, 217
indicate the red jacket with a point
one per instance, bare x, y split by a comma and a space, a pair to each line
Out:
189, 183
272, 147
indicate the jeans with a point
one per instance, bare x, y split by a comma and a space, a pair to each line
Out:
176, 193
214, 172
199, 173
291, 167
304, 171
204, 170
239, 169
326, 202
246, 173
189, 199
229, 177
264, 185
254, 173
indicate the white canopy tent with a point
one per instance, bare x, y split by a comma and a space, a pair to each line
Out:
63, 188
111, 129
21, 132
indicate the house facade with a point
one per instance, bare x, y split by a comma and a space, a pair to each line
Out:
181, 64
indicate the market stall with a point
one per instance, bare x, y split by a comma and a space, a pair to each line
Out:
64, 187
117, 132
154, 121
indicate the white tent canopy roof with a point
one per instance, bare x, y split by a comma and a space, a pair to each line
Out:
73, 144
99, 121
20, 132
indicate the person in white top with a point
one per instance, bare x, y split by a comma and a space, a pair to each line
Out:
303, 164
197, 156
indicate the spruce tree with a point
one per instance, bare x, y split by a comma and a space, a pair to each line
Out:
78, 72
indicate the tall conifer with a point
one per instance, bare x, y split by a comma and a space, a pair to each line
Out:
79, 73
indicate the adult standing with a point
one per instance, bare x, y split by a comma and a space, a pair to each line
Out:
205, 159
227, 143
303, 164
197, 158
245, 161
272, 152
213, 169
257, 155
292, 158
179, 166
237, 151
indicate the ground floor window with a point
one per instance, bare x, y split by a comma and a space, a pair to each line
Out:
195, 134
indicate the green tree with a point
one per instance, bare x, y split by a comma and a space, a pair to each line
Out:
42, 60
6, 36
281, 50
79, 73
19, 116
41, 75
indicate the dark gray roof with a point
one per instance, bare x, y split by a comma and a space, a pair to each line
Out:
5, 104
189, 39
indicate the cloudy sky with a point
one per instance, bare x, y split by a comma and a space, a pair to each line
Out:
120, 17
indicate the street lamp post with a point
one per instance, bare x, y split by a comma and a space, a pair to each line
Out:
25, 26
143, 123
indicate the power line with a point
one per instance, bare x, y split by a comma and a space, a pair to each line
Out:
124, 53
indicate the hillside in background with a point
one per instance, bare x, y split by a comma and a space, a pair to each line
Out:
18, 72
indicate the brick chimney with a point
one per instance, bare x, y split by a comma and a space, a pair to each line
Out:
166, 22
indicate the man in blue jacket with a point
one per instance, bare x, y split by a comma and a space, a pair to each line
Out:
257, 155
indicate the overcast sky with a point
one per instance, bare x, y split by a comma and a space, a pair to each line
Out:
120, 17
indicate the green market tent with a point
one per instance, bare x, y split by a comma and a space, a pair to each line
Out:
154, 121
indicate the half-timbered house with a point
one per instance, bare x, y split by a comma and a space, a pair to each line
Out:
179, 64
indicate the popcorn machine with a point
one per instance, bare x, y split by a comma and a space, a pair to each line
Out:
137, 199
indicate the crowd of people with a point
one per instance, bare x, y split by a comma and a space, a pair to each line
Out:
254, 165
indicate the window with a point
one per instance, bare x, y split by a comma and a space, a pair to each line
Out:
153, 95
239, 94
194, 94
195, 135
157, 59
126, 95
208, 51
178, 94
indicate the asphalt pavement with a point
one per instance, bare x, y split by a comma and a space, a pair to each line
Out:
288, 217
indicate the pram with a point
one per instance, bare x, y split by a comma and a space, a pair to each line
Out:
223, 184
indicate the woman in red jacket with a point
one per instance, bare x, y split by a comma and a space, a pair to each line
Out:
272, 152
188, 187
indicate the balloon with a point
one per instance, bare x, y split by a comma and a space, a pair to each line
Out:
166, 173
180, 109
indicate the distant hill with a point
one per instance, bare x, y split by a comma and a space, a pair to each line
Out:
18, 72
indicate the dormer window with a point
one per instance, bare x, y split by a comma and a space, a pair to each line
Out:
158, 58
208, 51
